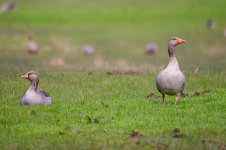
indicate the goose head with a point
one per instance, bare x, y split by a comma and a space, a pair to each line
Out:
32, 76
174, 41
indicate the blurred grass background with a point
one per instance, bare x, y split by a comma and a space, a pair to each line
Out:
119, 30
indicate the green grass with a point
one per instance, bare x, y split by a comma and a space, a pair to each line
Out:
116, 105
93, 110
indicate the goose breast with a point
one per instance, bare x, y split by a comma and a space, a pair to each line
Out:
170, 82
34, 97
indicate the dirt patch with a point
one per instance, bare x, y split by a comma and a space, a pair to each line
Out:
200, 93
33, 112
162, 146
61, 133
207, 144
117, 73
152, 95
57, 62
105, 105
222, 146
63, 45
144, 142
92, 120
96, 120
99, 62
184, 94
194, 94
176, 133
136, 134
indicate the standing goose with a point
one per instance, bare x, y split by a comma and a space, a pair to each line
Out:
171, 81
33, 95
32, 46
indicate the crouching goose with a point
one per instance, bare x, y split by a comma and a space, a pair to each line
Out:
171, 81
33, 95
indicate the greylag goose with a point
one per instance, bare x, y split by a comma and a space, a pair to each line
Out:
211, 23
32, 46
33, 95
7, 7
151, 49
88, 49
171, 81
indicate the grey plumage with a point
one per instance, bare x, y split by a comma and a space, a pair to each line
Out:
7, 7
43, 93
171, 81
33, 95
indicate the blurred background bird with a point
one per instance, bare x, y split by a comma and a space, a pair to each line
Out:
225, 31
151, 49
32, 46
88, 49
211, 23
7, 7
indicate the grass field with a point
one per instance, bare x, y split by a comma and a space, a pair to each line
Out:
93, 109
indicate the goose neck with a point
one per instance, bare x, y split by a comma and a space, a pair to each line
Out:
34, 85
171, 50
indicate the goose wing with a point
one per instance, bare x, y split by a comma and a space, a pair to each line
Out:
44, 93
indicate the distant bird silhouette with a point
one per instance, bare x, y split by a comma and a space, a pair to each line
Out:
88, 49
224, 31
211, 23
32, 46
151, 49
7, 7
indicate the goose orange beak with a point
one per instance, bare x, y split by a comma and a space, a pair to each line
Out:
179, 41
25, 76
